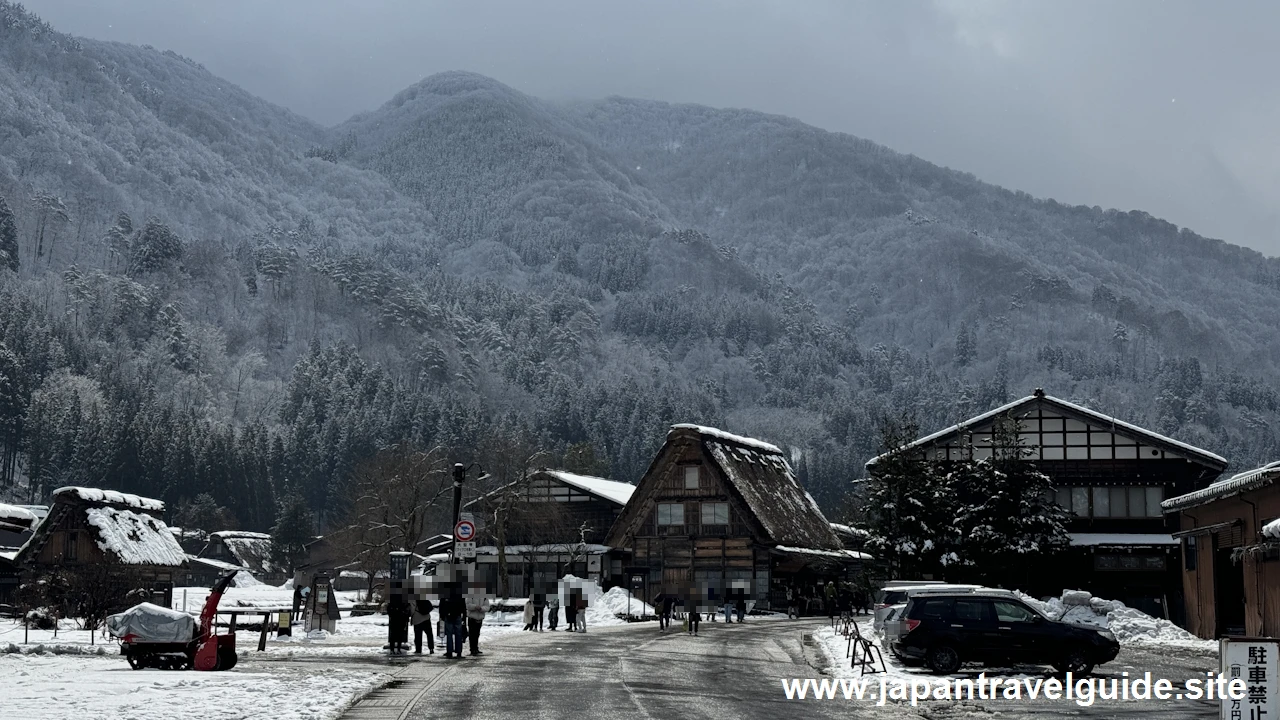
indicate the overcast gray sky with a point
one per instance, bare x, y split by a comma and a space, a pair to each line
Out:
1169, 107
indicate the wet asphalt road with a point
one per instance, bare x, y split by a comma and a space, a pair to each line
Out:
727, 673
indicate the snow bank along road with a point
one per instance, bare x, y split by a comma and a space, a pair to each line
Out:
729, 672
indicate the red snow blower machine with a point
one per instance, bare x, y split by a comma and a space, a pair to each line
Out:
157, 637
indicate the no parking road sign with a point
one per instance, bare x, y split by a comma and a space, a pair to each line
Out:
464, 531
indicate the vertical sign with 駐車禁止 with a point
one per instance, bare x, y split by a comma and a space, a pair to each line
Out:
1254, 661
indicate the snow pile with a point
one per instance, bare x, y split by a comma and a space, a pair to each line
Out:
1131, 627
605, 609
1272, 530
112, 497
137, 539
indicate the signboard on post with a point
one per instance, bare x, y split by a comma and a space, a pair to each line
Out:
464, 531
466, 549
1253, 660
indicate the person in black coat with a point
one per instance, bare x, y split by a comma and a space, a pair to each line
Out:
740, 606
453, 612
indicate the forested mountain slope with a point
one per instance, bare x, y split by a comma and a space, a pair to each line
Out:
215, 296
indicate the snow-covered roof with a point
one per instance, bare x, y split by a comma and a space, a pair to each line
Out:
251, 549
17, 515
729, 437
618, 492
243, 534
833, 554
219, 564
764, 479
109, 497
1200, 454
562, 548
850, 530
1234, 485
135, 538
1095, 539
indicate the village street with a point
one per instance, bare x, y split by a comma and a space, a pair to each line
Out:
728, 672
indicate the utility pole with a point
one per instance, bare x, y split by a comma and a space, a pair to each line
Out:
459, 474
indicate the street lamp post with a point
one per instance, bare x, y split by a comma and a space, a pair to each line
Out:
459, 474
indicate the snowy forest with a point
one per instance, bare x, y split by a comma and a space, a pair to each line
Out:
203, 294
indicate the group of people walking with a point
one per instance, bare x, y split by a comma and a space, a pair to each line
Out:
834, 600
665, 605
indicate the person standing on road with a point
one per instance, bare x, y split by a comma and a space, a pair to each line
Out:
528, 614
740, 606
453, 612
571, 612
664, 612
694, 617
793, 603
553, 604
830, 594
477, 604
582, 612
422, 608
539, 608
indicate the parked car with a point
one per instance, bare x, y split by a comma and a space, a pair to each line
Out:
895, 593
894, 627
945, 630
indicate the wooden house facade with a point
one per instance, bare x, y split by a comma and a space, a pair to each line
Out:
717, 512
1111, 477
88, 527
555, 524
1230, 559
17, 524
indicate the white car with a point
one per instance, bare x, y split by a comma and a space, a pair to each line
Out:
894, 593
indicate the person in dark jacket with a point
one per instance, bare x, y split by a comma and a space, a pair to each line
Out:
453, 611
664, 605
571, 612
740, 606
422, 625
398, 615
539, 609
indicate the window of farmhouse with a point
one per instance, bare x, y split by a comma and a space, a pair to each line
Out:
670, 513
1111, 502
692, 476
715, 513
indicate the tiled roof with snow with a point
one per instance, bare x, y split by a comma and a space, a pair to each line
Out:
1234, 485
729, 437
134, 538
1104, 420
833, 554
618, 492
110, 497
764, 479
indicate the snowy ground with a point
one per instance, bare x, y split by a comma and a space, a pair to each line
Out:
104, 688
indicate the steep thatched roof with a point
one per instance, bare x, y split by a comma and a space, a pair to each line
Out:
761, 477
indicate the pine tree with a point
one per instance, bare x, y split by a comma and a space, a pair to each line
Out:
909, 507
966, 345
8, 238
292, 531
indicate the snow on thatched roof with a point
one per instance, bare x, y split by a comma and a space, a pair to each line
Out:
729, 437
108, 497
764, 479
16, 519
618, 492
134, 538
251, 549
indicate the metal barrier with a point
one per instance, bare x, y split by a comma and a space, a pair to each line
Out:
863, 653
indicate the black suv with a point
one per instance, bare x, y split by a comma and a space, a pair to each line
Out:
945, 630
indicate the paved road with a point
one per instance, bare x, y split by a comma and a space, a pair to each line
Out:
729, 672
